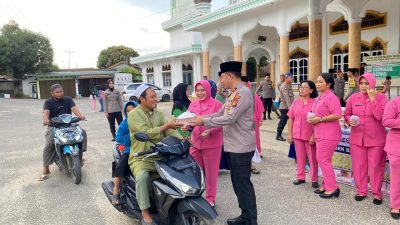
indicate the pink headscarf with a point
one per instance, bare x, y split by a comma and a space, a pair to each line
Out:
206, 85
370, 78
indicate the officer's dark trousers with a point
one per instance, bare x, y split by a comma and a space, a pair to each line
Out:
111, 120
342, 103
267, 102
240, 164
282, 121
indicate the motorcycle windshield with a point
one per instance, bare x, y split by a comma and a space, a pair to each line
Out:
64, 119
173, 146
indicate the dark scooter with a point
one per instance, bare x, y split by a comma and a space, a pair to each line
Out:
176, 196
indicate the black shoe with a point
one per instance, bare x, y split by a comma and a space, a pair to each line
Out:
395, 216
377, 201
264, 118
359, 198
297, 182
315, 185
237, 221
269, 117
113, 139
280, 138
319, 191
336, 193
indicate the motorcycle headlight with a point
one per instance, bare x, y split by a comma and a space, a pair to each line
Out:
78, 134
179, 184
61, 136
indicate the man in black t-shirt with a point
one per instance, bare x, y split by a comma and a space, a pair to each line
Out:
56, 105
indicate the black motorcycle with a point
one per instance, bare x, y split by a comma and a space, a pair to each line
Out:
177, 195
68, 140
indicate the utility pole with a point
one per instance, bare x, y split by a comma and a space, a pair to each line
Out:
69, 52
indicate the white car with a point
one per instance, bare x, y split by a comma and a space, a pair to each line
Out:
128, 93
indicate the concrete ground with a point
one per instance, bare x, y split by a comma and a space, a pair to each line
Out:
24, 200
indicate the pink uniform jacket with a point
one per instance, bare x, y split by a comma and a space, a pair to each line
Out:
302, 130
326, 105
370, 132
206, 107
391, 119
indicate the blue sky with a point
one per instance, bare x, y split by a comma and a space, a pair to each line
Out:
94, 25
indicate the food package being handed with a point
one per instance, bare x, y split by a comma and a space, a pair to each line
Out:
185, 117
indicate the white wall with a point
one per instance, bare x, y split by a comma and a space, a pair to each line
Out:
181, 39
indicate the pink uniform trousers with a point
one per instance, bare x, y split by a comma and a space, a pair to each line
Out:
368, 160
208, 159
304, 149
325, 150
394, 162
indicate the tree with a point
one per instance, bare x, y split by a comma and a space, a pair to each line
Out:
23, 51
115, 54
136, 76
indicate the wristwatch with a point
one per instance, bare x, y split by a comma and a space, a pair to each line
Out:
320, 120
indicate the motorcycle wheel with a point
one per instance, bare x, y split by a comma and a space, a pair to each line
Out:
193, 219
74, 166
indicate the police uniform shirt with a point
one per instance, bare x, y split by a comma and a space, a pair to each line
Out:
287, 96
237, 120
268, 89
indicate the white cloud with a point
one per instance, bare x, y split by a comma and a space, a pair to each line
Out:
86, 27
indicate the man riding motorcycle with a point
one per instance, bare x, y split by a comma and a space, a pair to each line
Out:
145, 118
56, 105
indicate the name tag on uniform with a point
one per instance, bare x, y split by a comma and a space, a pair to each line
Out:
359, 105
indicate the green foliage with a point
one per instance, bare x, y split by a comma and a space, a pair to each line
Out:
251, 69
23, 51
115, 54
128, 69
264, 61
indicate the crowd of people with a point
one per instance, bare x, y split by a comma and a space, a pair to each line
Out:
224, 133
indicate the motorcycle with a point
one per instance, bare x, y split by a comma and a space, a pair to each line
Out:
68, 144
177, 196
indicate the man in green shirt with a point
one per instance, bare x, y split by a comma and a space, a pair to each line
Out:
145, 118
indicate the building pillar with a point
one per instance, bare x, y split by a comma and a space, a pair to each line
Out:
272, 71
315, 47
206, 63
284, 53
354, 43
237, 55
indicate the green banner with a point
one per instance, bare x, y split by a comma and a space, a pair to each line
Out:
386, 69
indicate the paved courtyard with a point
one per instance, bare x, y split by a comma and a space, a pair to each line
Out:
24, 200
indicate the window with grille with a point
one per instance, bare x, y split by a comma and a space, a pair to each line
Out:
372, 19
167, 80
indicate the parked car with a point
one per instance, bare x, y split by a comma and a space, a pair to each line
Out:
128, 92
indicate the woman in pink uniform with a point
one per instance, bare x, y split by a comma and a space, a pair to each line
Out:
207, 144
327, 133
391, 119
363, 113
301, 133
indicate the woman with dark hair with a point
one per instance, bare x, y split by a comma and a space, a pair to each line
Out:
301, 133
112, 106
326, 112
181, 103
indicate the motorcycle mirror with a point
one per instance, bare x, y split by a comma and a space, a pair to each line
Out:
142, 137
